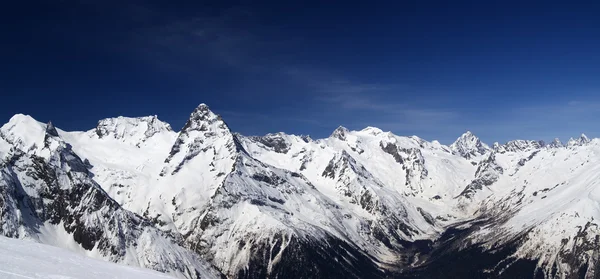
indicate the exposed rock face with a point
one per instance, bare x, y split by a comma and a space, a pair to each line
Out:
275, 142
488, 172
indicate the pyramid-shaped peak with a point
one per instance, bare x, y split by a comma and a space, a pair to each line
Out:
468, 145
203, 119
202, 111
583, 138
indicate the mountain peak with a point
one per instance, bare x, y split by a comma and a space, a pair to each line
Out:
468, 145
201, 118
372, 130
520, 145
133, 129
340, 133
556, 143
204, 133
23, 132
51, 130
582, 140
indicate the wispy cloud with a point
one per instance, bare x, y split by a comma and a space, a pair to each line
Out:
235, 40
232, 39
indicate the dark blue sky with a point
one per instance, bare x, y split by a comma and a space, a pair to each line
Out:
502, 69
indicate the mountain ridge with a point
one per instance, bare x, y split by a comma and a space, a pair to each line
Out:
383, 203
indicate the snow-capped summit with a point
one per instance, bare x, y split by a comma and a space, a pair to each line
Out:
340, 133
23, 132
520, 145
556, 143
582, 140
468, 145
203, 131
132, 130
372, 130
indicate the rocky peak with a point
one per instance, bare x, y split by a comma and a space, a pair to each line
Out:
306, 138
468, 145
340, 133
51, 130
204, 132
51, 134
582, 140
520, 145
203, 119
276, 142
556, 143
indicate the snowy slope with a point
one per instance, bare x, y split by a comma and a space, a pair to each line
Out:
25, 259
47, 194
284, 205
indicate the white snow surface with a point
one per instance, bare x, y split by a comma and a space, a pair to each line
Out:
25, 259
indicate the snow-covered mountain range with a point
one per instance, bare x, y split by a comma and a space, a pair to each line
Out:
207, 202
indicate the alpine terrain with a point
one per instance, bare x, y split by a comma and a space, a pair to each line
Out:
206, 202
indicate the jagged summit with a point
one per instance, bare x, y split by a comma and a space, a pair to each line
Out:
520, 145
556, 143
203, 119
582, 140
468, 145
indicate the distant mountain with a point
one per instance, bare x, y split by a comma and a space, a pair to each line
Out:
207, 202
